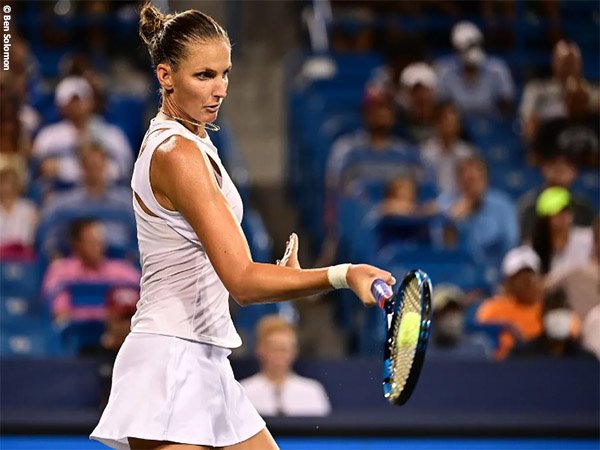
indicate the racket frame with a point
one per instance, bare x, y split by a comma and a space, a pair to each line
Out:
392, 306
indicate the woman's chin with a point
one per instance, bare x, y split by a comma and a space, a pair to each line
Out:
209, 117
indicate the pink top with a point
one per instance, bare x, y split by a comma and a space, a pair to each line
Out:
71, 270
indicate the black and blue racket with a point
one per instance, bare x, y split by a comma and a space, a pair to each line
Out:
408, 323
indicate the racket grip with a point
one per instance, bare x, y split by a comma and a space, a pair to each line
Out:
381, 291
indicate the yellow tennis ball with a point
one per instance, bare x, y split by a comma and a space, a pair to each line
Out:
410, 325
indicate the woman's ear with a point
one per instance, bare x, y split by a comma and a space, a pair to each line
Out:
164, 74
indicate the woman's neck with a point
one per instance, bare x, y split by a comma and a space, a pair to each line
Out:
447, 143
170, 111
560, 239
8, 203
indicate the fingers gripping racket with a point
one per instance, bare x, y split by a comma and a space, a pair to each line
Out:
408, 323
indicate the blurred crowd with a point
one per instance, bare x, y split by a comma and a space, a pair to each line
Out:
436, 186
72, 113
73, 110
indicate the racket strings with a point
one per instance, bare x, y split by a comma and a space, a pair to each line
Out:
404, 355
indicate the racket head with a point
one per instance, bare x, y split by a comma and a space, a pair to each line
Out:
402, 361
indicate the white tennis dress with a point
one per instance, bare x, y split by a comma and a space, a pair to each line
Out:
172, 380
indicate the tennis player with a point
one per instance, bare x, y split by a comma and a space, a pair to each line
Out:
173, 387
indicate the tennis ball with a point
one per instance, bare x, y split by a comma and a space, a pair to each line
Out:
410, 325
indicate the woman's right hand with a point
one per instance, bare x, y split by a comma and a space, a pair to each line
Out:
360, 277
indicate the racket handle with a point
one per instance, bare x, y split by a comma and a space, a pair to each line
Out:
381, 291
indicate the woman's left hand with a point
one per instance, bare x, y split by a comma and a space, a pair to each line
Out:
290, 257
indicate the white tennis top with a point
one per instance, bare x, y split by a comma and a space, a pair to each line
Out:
181, 294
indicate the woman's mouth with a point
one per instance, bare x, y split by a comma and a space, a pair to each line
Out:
212, 108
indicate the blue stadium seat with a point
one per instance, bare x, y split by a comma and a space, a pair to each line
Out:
515, 181
443, 266
78, 335
588, 185
128, 112
18, 310
19, 279
258, 239
28, 340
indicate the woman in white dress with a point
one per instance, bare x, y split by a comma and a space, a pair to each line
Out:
173, 387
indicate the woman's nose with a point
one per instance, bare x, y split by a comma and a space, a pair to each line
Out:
220, 89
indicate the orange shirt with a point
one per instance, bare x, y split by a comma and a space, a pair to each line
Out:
505, 310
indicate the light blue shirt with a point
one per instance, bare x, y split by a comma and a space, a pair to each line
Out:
493, 84
491, 231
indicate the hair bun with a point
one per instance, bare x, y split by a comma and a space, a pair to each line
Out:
152, 21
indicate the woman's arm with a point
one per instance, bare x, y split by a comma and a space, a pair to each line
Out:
183, 180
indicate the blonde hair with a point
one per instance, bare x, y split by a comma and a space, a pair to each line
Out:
272, 324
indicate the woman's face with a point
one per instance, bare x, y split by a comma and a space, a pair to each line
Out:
200, 82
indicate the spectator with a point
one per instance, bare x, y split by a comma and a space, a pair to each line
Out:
15, 146
94, 193
22, 81
591, 331
376, 139
88, 264
18, 216
80, 65
577, 133
544, 100
518, 310
276, 389
373, 151
400, 198
399, 218
558, 169
441, 153
418, 104
55, 147
448, 336
478, 84
559, 244
582, 281
561, 328
120, 308
484, 218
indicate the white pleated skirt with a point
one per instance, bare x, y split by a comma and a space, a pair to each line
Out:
169, 389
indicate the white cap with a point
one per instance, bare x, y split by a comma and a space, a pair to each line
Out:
445, 293
72, 87
465, 34
418, 72
519, 258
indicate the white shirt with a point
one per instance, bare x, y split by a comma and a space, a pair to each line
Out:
298, 396
577, 251
546, 100
18, 225
62, 140
181, 294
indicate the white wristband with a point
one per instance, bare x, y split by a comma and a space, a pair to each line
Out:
337, 276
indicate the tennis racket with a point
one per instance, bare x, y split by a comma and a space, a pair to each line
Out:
407, 312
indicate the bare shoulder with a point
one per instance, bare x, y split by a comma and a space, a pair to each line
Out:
179, 170
176, 150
